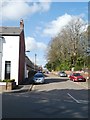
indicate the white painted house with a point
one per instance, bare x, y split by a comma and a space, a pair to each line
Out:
12, 53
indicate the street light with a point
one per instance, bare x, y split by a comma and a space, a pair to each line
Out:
35, 61
27, 51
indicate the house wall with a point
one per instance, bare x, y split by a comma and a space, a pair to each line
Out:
21, 74
26, 71
1, 54
0, 57
11, 53
0, 65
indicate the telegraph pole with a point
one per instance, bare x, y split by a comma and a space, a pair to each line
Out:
35, 61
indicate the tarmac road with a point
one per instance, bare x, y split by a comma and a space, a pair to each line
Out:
57, 98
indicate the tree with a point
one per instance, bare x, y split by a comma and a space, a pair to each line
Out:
69, 45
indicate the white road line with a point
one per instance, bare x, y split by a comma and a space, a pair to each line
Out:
73, 98
33, 87
84, 101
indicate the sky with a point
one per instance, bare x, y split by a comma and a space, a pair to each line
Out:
43, 20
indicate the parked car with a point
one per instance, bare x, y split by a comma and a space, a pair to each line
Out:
77, 77
62, 74
39, 78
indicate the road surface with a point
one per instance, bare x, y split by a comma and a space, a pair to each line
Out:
57, 98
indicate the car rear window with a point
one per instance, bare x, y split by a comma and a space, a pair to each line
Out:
76, 74
62, 72
38, 75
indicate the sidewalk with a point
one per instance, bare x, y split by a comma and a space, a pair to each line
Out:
26, 86
20, 88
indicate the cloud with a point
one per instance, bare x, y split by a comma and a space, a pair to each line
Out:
55, 26
16, 9
32, 44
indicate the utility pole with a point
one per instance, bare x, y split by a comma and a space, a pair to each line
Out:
35, 62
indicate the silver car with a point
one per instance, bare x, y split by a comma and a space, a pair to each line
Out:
39, 78
62, 74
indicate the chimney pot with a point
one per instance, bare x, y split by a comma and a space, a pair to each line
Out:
21, 24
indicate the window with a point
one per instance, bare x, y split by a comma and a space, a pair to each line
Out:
77, 74
7, 69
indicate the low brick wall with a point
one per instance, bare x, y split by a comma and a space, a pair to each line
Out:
7, 86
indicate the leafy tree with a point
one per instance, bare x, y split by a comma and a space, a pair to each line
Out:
68, 48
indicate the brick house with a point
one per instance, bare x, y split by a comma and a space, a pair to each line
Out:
12, 53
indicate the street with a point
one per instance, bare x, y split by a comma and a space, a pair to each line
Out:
57, 98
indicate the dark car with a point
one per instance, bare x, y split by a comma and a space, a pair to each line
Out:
62, 74
77, 77
39, 78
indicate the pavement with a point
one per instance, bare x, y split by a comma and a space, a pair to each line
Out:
21, 88
24, 87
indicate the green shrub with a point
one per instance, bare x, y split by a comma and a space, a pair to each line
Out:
8, 80
78, 67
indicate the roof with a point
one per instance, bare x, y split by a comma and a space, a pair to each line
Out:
15, 31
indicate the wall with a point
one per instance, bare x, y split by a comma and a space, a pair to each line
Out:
1, 54
11, 53
21, 74
0, 65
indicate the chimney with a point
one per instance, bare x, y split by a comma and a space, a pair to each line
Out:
21, 24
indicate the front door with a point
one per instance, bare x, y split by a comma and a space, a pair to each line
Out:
7, 69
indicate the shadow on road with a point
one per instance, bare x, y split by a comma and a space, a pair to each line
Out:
46, 104
54, 80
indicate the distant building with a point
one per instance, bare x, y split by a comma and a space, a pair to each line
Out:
12, 53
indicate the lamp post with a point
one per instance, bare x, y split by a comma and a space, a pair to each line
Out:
27, 51
35, 62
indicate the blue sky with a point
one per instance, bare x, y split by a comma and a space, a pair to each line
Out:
42, 21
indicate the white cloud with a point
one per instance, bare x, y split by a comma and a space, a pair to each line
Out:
32, 44
56, 25
16, 9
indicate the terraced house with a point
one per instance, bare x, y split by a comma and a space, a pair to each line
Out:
12, 53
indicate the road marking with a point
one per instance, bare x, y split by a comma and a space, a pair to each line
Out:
78, 101
83, 101
73, 98
68, 101
31, 87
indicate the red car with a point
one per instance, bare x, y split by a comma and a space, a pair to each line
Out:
77, 77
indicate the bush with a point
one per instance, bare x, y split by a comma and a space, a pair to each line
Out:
78, 68
64, 66
8, 80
